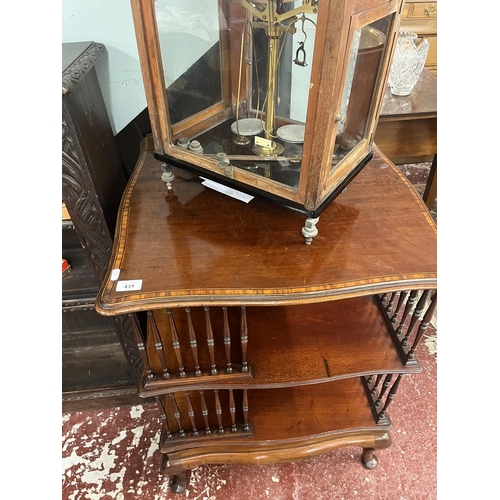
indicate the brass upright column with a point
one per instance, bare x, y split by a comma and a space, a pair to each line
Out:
273, 34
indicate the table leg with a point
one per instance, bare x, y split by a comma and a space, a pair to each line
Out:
430, 192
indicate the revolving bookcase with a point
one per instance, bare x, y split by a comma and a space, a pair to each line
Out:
256, 347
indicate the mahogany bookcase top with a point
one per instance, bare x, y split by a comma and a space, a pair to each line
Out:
194, 246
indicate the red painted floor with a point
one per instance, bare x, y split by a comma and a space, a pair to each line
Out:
112, 454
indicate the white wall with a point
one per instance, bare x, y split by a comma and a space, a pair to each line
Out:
118, 70
110, 23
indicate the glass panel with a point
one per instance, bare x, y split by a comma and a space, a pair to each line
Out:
190, 48
269, 57
294, 59
365, 60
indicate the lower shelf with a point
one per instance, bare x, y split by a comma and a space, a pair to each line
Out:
287, 424
95, 372
95, 369
96, 366
100, 398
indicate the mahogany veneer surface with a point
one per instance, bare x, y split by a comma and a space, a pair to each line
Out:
197, 247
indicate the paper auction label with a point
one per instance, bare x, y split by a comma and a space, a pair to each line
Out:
128, 285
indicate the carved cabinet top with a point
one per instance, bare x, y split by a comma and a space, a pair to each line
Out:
78, 58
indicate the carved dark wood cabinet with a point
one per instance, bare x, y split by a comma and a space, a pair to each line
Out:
256, 347
100, 359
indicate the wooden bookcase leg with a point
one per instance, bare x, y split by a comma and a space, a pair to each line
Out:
178, 483
179, 479
430, 192
369, 459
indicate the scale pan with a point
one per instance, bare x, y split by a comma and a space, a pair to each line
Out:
291, 133
247, 126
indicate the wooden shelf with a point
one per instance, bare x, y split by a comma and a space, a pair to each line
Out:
288, 424
80, 282
95, 366
302, 347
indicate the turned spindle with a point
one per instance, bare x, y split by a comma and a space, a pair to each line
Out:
190, 412
175, 342
391, 302
218, 412
375, 385
232, 411
227, 341
193, 343
210, 341
409, 304
423, 326
163, 417
140, 345
158, 343
204, 412
385, 386
244, 339
402, 298
390, 397
416, 316
177, 414
246, 422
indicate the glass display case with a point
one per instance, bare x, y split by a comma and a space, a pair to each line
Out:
276, 98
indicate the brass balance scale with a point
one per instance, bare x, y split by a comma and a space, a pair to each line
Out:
240, 107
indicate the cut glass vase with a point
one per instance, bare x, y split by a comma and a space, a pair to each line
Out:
407, 63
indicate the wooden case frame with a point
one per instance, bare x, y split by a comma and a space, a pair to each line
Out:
319, 183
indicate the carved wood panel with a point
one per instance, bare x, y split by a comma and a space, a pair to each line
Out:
82, 202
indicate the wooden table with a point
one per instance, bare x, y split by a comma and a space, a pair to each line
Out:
407, 128
257, 347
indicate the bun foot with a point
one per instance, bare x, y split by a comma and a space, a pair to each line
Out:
178, 483
167, 176
369, 459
